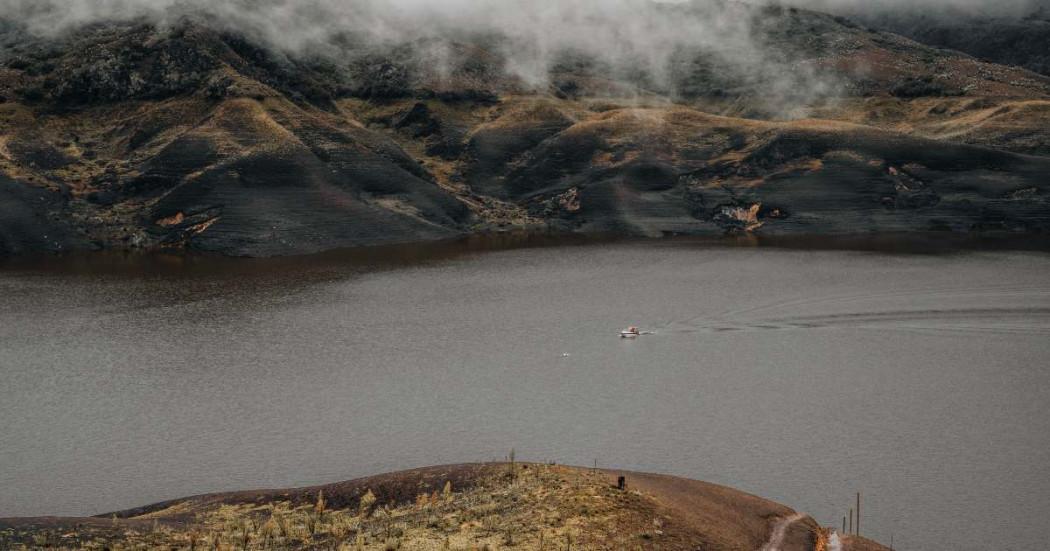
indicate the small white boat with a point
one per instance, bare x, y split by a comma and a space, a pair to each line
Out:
630, 333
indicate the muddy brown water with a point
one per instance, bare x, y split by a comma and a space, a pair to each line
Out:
801, 373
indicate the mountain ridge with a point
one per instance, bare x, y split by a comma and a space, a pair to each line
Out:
132, 135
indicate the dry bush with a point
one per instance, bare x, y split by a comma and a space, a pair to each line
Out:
367, 505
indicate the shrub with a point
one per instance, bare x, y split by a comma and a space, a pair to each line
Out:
368, 503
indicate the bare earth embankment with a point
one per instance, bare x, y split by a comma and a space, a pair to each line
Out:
473, 506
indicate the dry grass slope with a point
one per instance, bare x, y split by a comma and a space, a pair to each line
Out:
461, 507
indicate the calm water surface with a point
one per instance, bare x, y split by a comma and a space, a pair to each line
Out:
800, 375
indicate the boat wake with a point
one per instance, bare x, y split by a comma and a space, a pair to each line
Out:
982, 320
994, 310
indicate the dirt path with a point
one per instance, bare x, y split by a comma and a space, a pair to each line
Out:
776, 538
728, 518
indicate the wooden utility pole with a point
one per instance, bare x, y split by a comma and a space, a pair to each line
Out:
850, 521
844, 524
858, 514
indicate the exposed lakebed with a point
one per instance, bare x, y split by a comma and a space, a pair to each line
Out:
797, 374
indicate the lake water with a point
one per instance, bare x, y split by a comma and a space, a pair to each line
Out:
921, 380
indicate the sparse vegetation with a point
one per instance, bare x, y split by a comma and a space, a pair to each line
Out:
540, 505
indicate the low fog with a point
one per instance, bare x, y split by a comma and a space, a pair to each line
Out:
625, 35
302, 21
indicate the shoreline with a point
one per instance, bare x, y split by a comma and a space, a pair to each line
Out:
415, 252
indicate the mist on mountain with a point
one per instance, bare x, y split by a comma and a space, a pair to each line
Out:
637, 41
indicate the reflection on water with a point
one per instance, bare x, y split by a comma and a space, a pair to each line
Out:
802, 375
209, 265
